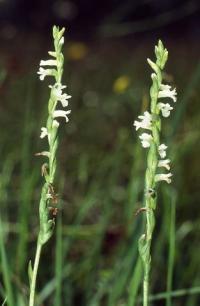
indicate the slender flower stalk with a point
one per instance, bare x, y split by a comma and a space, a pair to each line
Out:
156, 154
49, 131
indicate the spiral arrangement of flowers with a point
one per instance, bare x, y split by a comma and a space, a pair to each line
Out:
150, 121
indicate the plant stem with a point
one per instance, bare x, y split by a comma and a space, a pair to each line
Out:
48, 199
34, 275
172, 241
146, 290
5, 269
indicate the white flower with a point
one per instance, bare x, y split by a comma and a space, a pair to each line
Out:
44, 153
146, 140
48, 63
145, 122
44, 132
52, 53
162, 150
44, 72
62, 97
55, 124
164, 177
167, 92
165, 109
164, 163
61, 113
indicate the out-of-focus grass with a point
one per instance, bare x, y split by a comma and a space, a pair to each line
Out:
93, 258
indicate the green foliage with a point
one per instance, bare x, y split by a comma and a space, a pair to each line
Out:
100, 185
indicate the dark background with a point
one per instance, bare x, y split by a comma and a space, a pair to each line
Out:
89, 19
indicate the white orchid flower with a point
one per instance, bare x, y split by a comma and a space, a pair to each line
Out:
61, 113
50, 62
162, 150
163, 177
165, 109
145, 122
164, 163
44, 72
44, 132
60, 96
146, 140
167, 92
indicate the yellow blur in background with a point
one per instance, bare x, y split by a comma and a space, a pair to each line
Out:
121, 84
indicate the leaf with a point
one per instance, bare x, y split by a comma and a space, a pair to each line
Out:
4, 302
30, 271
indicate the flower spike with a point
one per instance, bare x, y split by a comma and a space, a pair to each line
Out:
52, 67
156, 157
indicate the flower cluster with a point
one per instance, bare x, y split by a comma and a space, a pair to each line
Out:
48, 201
150, 121
163, 163
54, 67
58, 98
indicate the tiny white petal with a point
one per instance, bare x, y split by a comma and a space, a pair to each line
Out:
164, 163
146, 140
55, 124
167, 92
44, 132
44, 72
44, 153
165, 109
48, 63
52, 53
162, 150
61, 113
164, 177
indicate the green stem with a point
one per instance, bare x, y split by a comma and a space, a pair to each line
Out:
157, 90
171, 254
5, 269
146, 289
34, 275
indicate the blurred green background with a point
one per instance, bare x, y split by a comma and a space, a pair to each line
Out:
93, 258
